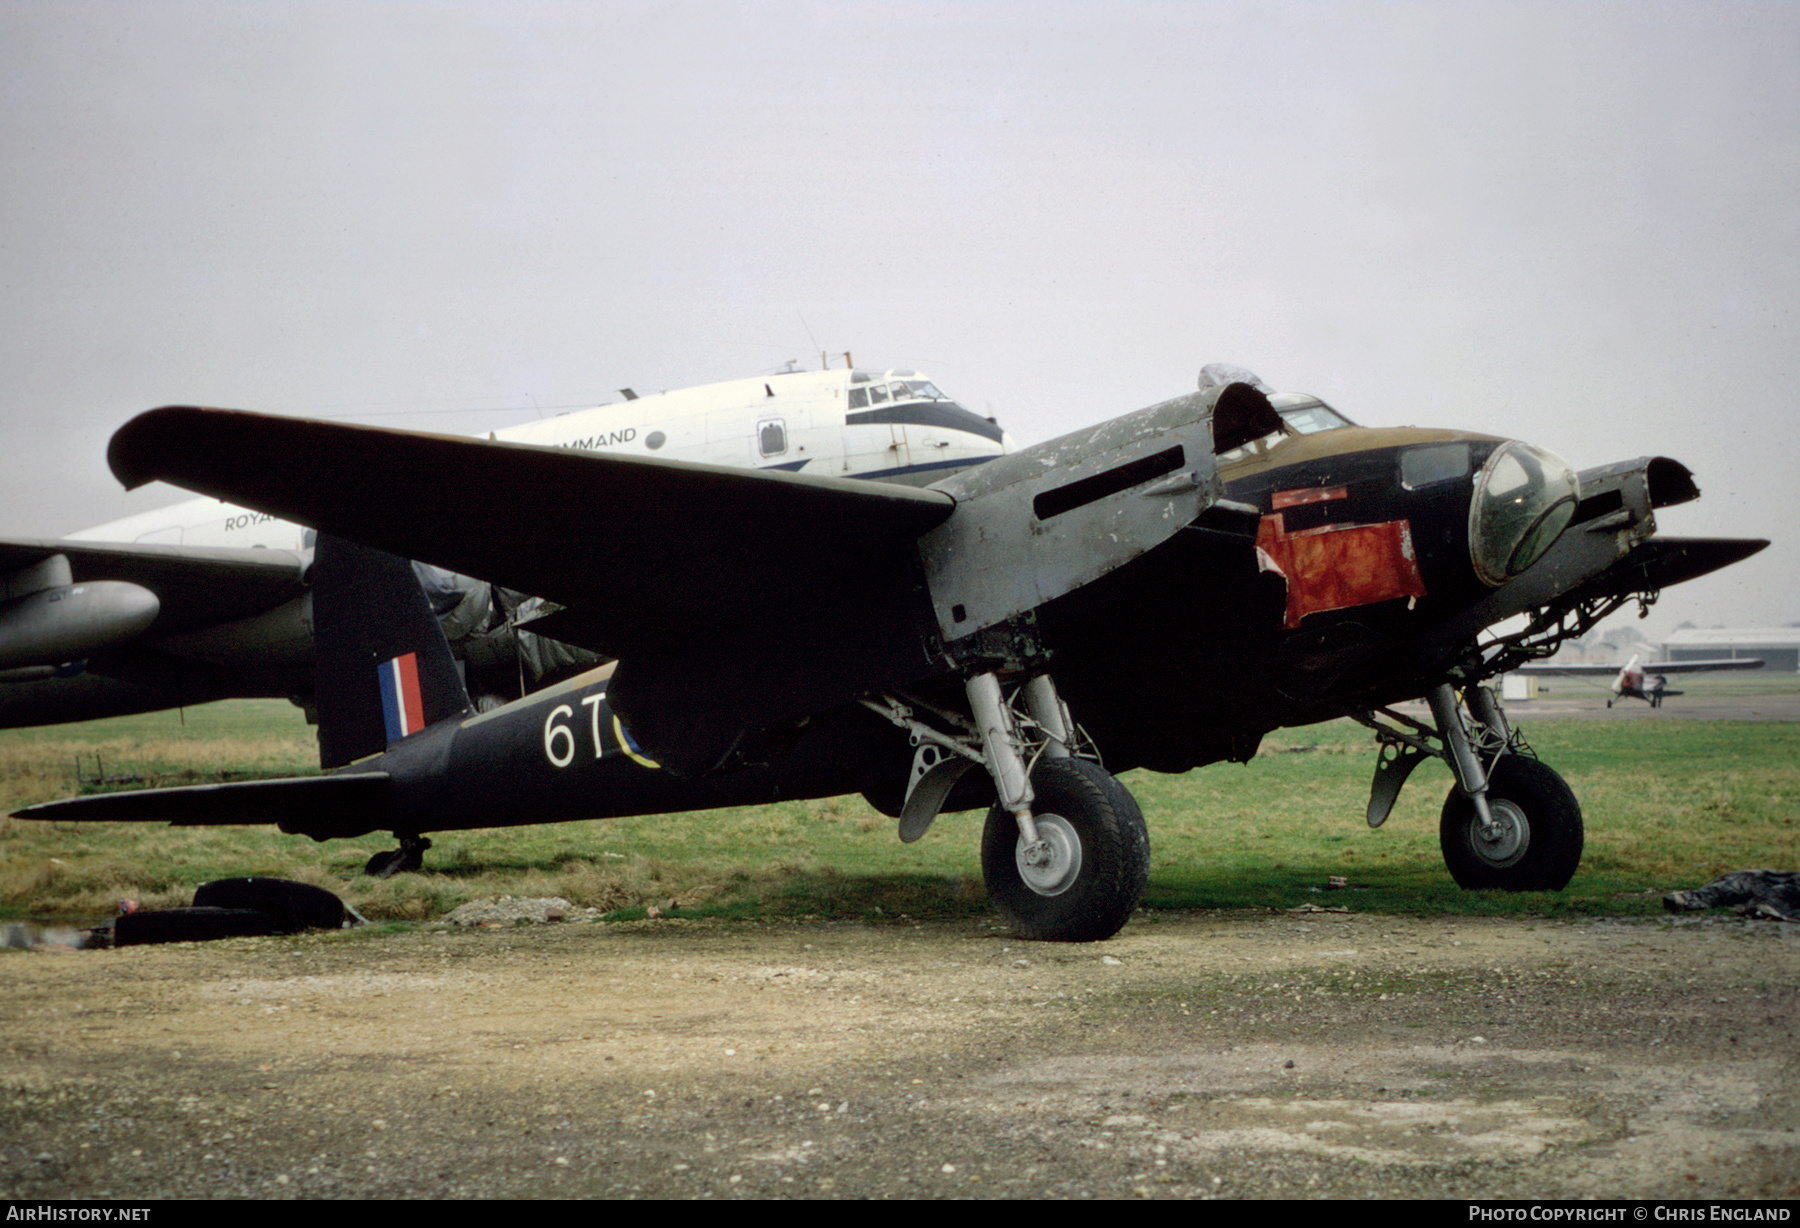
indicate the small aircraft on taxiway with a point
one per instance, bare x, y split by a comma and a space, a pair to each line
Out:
1637, 679
1158, 591
205, 600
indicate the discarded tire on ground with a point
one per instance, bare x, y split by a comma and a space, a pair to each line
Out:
293, 906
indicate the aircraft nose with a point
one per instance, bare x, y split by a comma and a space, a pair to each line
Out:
1524, 498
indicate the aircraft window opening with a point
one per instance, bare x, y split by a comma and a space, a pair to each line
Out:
1434, 463
1307, 418
859, 398
1524, 498
917, 390
771, 437
878, 394
1313, 418
1256, 447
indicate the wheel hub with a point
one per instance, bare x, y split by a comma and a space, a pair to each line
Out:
1506, 840
1051, 864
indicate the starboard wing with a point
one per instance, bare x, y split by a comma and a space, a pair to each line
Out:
732, 597
653, 553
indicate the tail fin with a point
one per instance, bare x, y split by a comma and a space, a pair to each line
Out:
384, 667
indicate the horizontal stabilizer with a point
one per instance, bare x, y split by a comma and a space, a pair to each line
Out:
349, 804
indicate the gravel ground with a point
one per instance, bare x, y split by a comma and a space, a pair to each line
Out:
1207, 1055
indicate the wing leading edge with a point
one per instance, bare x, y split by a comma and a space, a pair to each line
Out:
653, 554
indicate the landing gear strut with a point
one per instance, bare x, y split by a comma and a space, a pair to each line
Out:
1510, 822
1065, 852
407, 859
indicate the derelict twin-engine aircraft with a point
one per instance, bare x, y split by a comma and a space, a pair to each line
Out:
205, 600
1158, 591
1638, 679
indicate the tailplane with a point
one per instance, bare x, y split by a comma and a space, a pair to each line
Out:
384, 668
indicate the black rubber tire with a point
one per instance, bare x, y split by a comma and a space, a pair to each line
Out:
1115, 856
1538, 806
138, 929
294, 906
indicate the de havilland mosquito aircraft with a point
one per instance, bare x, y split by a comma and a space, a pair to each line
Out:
1637, 679
1158, 591
205, 600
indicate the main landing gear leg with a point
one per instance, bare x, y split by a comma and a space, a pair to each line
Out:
1516, 825
1073, 870
1064, 852
1510, 823
407, 859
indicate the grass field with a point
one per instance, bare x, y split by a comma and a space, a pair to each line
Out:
1668, 804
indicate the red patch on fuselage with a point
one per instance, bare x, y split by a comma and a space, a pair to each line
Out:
1312, 494
1335, 567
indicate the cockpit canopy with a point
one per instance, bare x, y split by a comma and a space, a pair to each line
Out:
1301, 414
869, 388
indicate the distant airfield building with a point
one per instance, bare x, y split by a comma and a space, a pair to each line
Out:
1779, 647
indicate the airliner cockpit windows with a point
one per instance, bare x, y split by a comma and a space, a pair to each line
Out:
917, 390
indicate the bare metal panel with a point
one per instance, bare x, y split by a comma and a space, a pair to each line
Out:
1035, 525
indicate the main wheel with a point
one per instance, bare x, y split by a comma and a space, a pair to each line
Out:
1087, 872
1538, 844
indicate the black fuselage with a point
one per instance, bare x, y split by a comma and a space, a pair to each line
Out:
1192, 653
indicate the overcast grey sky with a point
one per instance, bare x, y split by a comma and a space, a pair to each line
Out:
1578, 224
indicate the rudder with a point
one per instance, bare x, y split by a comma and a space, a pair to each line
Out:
384, 668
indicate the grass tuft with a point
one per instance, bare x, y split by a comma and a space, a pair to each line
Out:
1668, 804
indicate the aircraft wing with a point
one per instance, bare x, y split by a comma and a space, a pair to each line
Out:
651, 553
197, 587
1649, 667
1576, 670
1703, 666
733, 598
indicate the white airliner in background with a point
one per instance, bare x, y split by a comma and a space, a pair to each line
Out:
203, 600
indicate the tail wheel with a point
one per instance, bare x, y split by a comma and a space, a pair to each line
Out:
409, 858
1537, 842
1084, 877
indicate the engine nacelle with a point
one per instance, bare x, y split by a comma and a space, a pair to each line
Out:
71, 621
